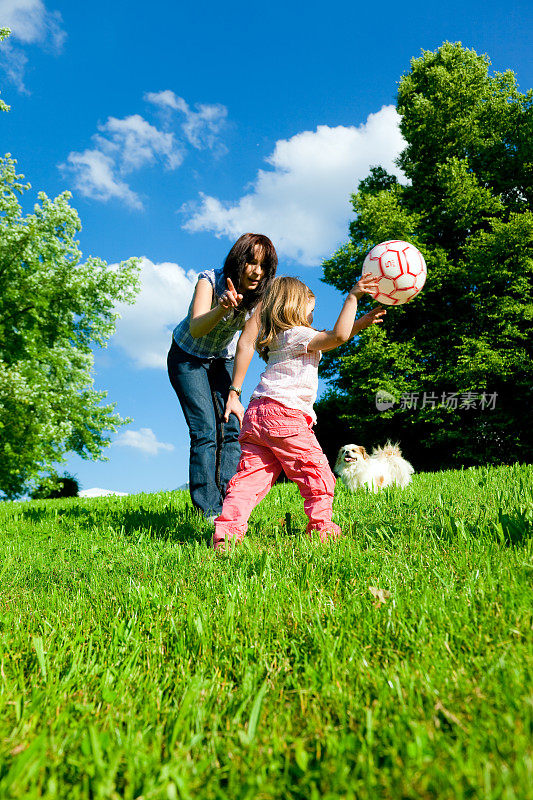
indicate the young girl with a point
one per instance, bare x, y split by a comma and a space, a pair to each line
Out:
276, 429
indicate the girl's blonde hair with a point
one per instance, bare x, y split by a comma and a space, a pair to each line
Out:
284, 306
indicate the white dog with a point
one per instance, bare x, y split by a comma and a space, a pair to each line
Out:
384, 467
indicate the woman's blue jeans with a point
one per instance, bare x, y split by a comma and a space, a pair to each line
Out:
202, 386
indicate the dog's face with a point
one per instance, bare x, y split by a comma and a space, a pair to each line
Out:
349, 454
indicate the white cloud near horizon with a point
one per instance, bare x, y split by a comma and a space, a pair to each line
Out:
144, 440
31, 23
144, 330
303, 202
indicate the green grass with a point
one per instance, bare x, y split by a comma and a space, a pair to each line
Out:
134, 662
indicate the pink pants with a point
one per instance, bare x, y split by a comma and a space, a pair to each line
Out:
273, 438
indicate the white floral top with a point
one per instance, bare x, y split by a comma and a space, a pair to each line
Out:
291, 375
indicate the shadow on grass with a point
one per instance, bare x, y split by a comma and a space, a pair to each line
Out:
508, 529
183, 526
516, 528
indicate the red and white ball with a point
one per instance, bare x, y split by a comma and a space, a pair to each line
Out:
400, 270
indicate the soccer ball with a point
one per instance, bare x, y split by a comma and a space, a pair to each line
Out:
400, 270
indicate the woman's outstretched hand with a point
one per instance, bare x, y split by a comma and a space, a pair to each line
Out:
230, 298
234, 406
367, 284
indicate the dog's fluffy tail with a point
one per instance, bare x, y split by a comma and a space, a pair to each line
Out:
388, 450
400, 469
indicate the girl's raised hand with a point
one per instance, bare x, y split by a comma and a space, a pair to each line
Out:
367, 284
230, 298
372, 317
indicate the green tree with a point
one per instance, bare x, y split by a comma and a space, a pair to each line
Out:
466, 204
55, 487
53, 309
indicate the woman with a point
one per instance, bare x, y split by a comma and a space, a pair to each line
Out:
226, 301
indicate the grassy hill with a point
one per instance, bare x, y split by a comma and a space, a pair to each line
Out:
397, 663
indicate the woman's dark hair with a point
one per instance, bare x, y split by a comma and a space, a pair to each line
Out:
242, 253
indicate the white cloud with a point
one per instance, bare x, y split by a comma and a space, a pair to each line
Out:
31, 23
303, 203
144, 330
96, 492
13, 61
144, 440
167, 99
201, 127
136, 143
122, 146
95, 176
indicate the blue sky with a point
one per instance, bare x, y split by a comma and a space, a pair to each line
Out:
177, 127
